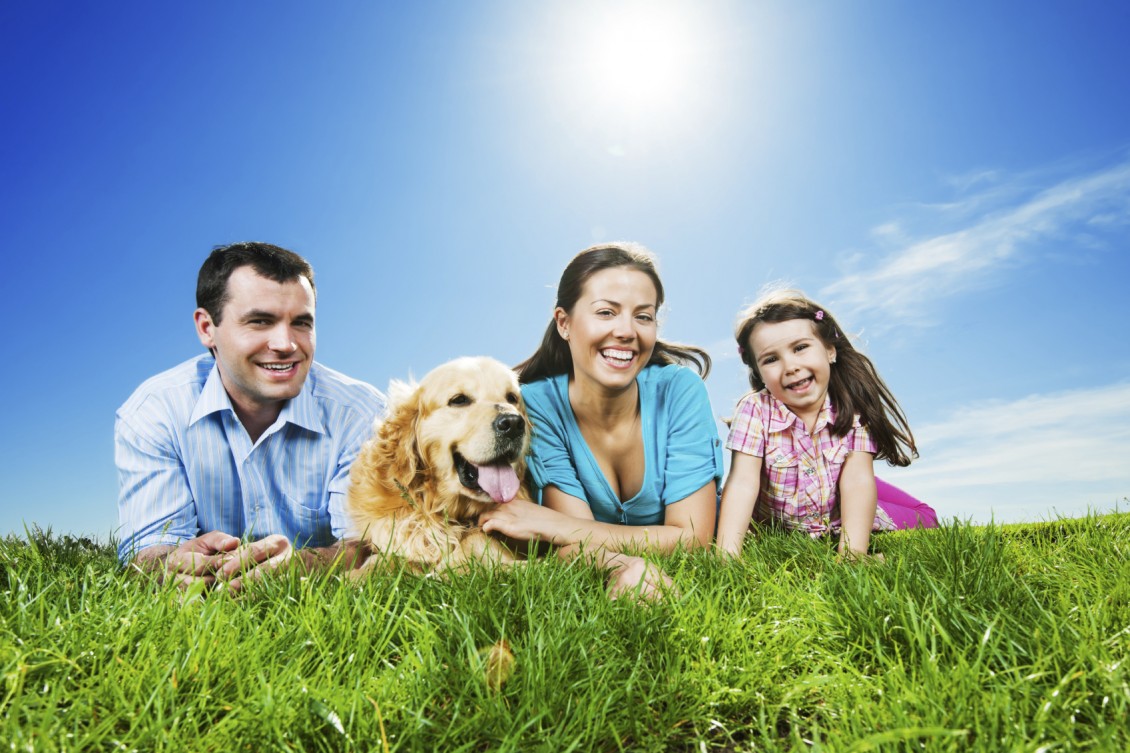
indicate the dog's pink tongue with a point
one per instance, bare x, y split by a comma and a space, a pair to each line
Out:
499, 481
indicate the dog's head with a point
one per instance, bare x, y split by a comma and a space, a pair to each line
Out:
459, 438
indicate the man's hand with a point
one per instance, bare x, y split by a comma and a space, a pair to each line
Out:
193, 561
253, 560
217, 557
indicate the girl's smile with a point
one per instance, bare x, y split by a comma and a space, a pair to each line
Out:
800, 387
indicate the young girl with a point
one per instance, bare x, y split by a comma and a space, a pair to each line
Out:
805, 441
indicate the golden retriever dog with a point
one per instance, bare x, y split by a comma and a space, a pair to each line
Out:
452, 446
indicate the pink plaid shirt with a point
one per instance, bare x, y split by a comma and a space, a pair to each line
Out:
800, 471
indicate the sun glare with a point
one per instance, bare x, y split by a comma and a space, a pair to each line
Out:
640, 58
635, 62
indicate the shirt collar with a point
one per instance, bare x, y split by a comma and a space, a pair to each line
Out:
213, 397
781, 418
301, 410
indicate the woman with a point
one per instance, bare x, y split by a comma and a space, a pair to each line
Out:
625, 453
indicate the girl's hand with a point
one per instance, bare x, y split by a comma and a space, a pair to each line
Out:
730, 551
852, 557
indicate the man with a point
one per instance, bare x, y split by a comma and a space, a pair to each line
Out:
236, 462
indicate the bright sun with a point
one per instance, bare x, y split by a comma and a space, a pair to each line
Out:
635, 62
639, 57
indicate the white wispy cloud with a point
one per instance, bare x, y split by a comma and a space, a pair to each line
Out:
933, 268
1027, 459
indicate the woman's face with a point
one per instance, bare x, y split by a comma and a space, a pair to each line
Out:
612, 328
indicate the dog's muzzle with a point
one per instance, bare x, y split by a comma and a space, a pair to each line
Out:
496, 477
498, 480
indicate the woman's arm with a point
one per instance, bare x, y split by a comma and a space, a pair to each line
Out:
570, 526
567, 522
689, 522
857, 502
739, 496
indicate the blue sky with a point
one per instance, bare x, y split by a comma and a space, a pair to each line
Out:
952, 180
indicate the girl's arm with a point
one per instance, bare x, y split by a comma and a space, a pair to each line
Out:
567, 521
739, 496
857, 502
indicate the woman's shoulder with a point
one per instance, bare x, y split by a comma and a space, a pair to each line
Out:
661, 377
674, 390
544, 394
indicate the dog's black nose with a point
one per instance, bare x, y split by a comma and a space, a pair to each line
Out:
510, 425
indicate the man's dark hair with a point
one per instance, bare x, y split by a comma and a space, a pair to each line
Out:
268, 261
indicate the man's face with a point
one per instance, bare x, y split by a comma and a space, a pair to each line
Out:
264, 343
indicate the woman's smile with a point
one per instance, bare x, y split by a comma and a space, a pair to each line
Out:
611, 330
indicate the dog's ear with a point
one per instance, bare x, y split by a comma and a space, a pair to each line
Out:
396, 451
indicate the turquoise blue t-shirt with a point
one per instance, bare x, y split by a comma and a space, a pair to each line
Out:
682, 451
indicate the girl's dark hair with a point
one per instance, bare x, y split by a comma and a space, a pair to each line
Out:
552, 356
854, 386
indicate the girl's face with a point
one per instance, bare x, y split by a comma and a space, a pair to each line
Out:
794, 364
611, 330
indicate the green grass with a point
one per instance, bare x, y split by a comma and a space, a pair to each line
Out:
997, 638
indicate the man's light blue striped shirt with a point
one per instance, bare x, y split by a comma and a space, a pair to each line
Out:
187, 466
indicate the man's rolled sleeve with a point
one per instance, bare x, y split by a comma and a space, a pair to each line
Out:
155, 505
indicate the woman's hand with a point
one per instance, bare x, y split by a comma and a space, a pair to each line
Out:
635, 577
528, 521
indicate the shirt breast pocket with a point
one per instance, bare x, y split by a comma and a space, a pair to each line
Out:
781, 469
307, 520
835, 456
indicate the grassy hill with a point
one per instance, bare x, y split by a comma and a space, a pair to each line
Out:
968, 639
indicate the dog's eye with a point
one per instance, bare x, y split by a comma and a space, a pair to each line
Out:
511, 398
459, 400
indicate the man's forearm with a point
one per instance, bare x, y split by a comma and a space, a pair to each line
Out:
347, 554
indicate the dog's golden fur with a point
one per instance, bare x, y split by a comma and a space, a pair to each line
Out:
464, 423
